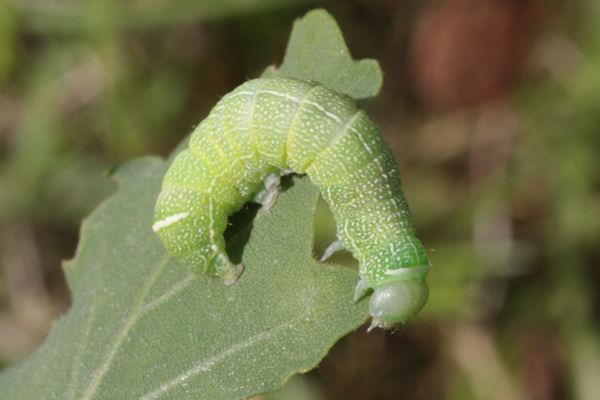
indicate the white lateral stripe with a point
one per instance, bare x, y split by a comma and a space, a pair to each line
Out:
297, 100
362, 140
171, 219
284, 95
408, 271
324, 111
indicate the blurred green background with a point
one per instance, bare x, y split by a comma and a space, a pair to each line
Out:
492, 108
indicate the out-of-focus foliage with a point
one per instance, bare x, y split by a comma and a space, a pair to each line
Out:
498, 147
67, 16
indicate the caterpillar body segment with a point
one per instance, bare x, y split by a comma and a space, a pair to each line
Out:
266, 127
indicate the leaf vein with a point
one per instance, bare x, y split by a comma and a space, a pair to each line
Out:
89, 319
122, 334
170, 293
206, 364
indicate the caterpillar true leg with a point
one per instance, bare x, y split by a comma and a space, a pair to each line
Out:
361, 289
268, 196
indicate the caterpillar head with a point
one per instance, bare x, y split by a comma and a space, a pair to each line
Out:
401, 290
396, 302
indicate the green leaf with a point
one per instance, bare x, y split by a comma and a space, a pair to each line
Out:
143, 327
317, 52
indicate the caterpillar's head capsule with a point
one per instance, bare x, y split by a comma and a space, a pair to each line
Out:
396, 302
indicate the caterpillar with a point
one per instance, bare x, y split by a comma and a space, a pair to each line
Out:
268, 127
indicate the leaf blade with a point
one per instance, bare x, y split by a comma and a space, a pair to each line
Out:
142, 326
316, 51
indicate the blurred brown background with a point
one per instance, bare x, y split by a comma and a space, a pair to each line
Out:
492, 108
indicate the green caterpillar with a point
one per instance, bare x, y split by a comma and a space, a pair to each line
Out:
266, 128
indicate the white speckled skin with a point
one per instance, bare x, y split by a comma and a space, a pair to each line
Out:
266, 125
